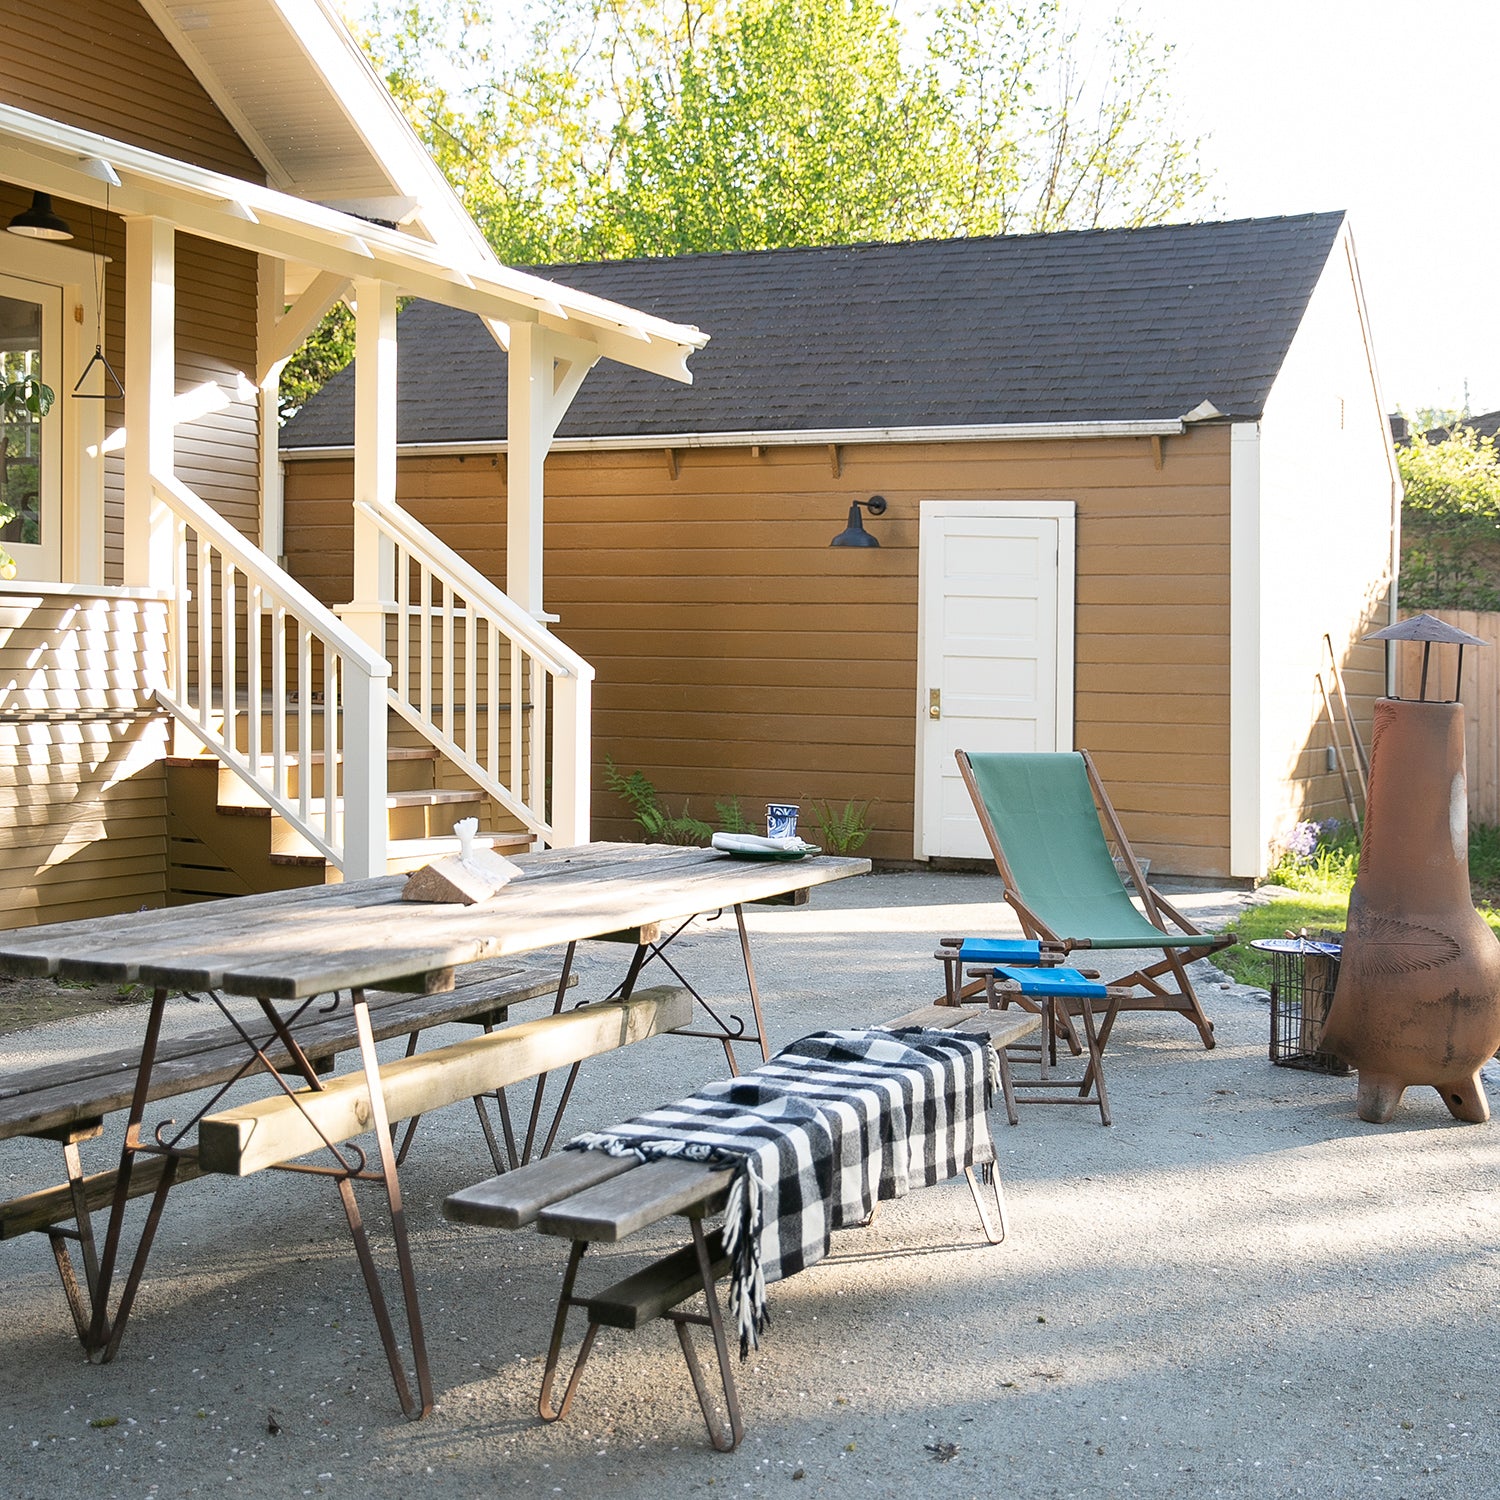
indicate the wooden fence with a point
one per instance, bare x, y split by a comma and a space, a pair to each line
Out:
1480, 692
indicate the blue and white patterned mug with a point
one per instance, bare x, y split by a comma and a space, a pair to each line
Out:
781, 820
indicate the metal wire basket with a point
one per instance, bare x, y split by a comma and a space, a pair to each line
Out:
1304, 972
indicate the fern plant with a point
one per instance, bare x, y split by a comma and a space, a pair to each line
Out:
638, 792
731, 817
842, 830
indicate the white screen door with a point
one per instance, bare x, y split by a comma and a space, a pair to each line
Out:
995, 670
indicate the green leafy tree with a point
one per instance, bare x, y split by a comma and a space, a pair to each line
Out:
599, 129
1450, 522
1048, 133
328, 348
628, 127
797, 124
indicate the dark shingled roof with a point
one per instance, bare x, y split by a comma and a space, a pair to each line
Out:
1094, 326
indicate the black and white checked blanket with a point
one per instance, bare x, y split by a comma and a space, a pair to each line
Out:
831, 1125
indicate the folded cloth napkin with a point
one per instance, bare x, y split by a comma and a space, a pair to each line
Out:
754, 843
816, 1136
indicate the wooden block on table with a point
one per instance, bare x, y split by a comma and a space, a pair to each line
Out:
454, 879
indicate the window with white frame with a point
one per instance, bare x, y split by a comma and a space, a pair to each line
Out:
30, 427
51, 463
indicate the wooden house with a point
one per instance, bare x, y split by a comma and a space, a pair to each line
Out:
185, 188
1133, 479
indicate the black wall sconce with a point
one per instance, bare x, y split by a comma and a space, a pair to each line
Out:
41, 221
854, 534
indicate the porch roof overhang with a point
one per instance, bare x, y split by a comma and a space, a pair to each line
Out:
85, 167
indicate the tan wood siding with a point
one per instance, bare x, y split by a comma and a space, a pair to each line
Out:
101, 65
738, 655
82, 789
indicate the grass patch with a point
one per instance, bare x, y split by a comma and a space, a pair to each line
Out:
1273, 920
1320, 881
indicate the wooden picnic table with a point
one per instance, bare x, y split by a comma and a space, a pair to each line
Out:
290, 946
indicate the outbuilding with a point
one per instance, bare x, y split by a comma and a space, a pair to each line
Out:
1139, 494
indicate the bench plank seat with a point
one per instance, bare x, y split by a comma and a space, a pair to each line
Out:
514, 1199
1003, 1027
279, 1129
54, 1205
618, 1207
39, 1100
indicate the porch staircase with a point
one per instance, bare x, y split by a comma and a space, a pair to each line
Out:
226, 840
310, 754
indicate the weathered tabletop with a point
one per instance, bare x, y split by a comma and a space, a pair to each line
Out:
292, 944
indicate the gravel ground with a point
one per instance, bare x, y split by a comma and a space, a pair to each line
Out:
1239, 1289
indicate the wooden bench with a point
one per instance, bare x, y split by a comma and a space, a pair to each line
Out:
273, 1131
67, 1102
590, 1197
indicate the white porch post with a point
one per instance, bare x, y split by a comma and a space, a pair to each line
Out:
572, 744
374, 456
271, 298
150, 391
528, 435
544, 372
364, 742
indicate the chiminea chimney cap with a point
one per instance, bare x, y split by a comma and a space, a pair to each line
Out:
1427, 628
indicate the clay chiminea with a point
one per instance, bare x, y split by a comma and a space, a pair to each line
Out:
1418, 995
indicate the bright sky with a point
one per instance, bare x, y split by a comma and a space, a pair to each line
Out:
1390, 111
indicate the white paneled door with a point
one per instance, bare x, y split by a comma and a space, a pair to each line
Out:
995, 668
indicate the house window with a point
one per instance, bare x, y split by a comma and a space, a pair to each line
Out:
30, 445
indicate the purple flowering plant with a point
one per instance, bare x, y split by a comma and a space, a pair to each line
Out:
1316, 856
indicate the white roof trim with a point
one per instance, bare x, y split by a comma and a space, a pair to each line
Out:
355, 97
39, 153
813, 437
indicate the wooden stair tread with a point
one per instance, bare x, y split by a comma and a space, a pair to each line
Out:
423, 797
317, 758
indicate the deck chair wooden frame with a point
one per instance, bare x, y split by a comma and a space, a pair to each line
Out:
1163, 985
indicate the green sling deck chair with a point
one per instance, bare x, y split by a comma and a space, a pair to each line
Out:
1045, 817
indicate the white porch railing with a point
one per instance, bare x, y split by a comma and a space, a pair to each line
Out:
269, 678
496, 692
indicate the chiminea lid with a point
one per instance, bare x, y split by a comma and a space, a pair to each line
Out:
1427, 628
